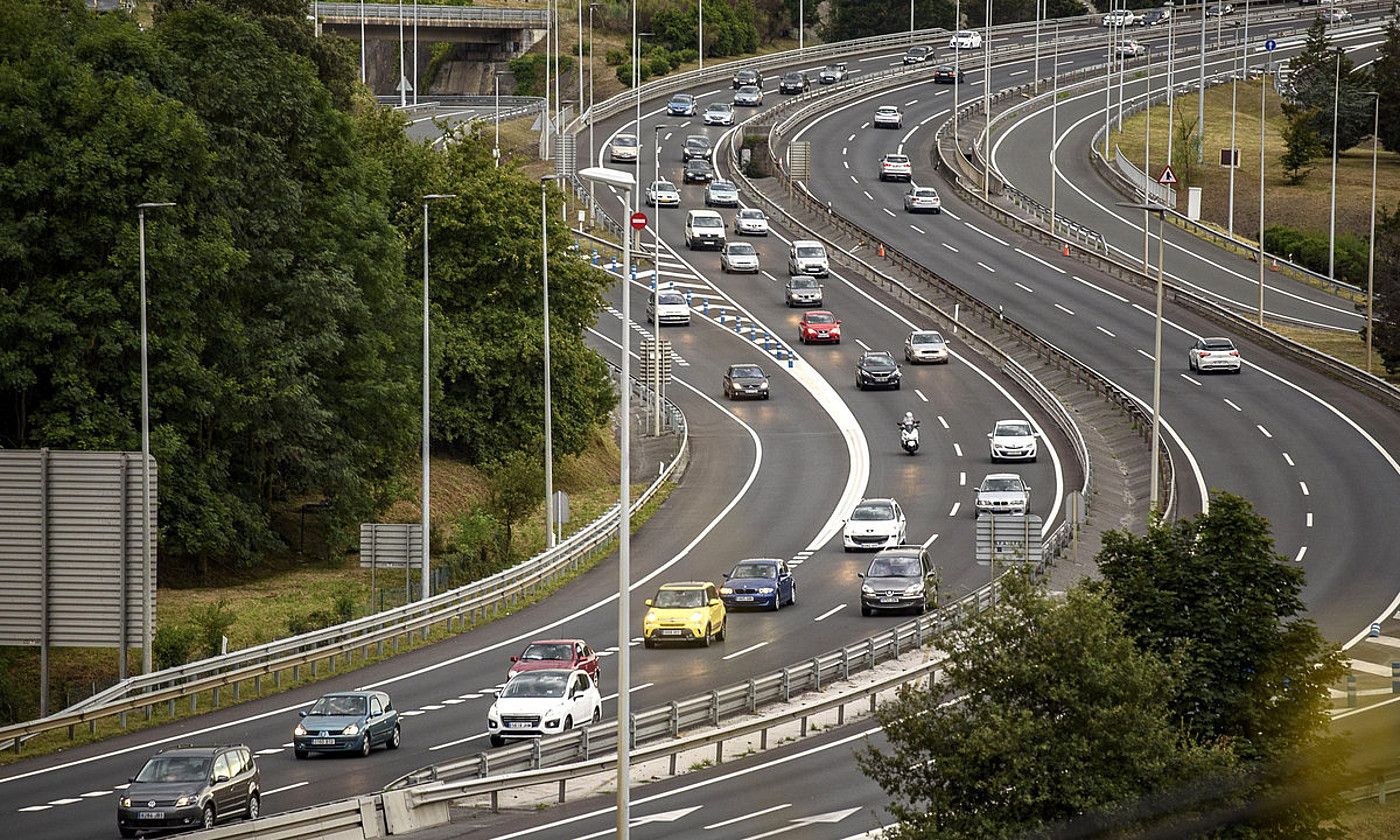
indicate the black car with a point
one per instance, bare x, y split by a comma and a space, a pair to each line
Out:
745, 381
794, 83
917, 55
347, 722
698, 170
748, 77
899, 578
877, 369
190, 787
697, 146
947, 74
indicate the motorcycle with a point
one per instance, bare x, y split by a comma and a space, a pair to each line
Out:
909, 437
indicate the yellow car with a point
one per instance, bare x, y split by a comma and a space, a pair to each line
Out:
684, 612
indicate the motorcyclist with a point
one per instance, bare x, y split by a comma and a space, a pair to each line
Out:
908, 421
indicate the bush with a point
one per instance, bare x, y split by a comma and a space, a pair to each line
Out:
661, 63
344, 607
687, 56
211, 624
529, 71
315, 620
616, 56
173, 645
624, 72
1310, 251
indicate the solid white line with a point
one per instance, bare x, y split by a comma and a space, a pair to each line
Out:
738, 653
1289, 459
1064, 309
1304, 486
1301, 552
829, 613
957, 449
1192, 381
1263, 431
921, 395
1104, 331
284, 788
862, 344
989, 268
942, 422
748, 816
954, 511
1232, 405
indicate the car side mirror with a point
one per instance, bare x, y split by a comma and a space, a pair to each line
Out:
131, 780
838, 322
860, 574
303, 713
220, 777
715, 602
726, 575
989, 434
648, 602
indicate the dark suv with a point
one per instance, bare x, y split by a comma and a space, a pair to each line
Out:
877, 369
188, 788
899, 578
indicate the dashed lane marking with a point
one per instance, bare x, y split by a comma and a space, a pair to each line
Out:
1064, 309
954, 511
829, 613
1105, 332
738, 653
942, 422
1263, 431
920, 395
1232, 405
989, 268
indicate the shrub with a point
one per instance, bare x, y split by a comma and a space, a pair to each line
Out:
660, 63
173, 645
1310, 251
344, 607
211, 622
615, 56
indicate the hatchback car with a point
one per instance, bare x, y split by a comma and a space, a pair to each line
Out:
1213, 354
819, 327
751, 221
926, 346
887, 116
544, 702
749, 95
895, 167
1337, 16
721, 194
668, 306
739, 257
917, 55
874, 523
1220, 10
947, 74
681, 105
190, 787
1002, 493
1119, 17
698, 170
623, 148
802, 290
745, 381
347, 722
556, 653
877, 369
663, 194
697, 146
922, 200
684, 612
832, 73
794, 82
1130, 49
719, 113
747, 78
1013, 440
899, 578
762, 582
965, 39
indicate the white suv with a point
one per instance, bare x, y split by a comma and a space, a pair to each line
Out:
887, 116
896, 168
965, 40
544, 702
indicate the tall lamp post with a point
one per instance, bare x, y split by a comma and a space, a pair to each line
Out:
987, 101
1371, 253
700, 37
427, 469
592, 149
362, 41
496, 150
1263, 88
625, 182
1332, 212
1054, 126
147, 562
656, 287
1201, 97
1161, 211
548, 390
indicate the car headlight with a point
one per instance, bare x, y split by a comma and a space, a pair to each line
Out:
765, 590
300, 730
865, 588
183, 801
763, 386
352, 729
725, 590
650, 618
695, 617
916, 589
125, 802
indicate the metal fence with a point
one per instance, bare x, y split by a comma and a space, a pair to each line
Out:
430, 14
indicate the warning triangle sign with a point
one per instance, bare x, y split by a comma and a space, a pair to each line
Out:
1167, 176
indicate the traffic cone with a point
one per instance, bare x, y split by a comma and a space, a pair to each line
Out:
881, 251
1273, 266
1065, 251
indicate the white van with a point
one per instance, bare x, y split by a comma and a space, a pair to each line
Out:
667, 306
807, 256
704, 229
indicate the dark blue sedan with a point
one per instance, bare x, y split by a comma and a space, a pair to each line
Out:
762, 582
347, 722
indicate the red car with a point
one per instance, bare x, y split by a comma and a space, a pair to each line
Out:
819, 326
567, 654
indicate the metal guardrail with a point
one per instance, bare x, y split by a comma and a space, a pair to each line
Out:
466, 101
462, 607
431, 14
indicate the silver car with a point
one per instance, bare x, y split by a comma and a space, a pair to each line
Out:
926, 346
623, 148
1002, 493
1013, 440
802, 290
751, 220
721, 194
922, 200
663, 194
739, 256
750, 95
719, 113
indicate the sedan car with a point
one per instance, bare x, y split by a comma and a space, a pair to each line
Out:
746, 78
751, 220
745, 381
623, 148
832, 73
1130, 49
684, 612
802, 290
668, 306
719, 113
926, 346
1119, 17
917, 55
738, 257
1220, 10
819, 326
663, 194
697, 146
572, 654
965, 39
749, 95
794, 82
1002, 493
877, 369
543, 702
875, 523
1337, 16
1013, 440
681, 105
347, 722
190, 787
922, 200
895, 167
1213, 354
887, 116
698, 171
947, 74
721, 194
762, 582
900, 578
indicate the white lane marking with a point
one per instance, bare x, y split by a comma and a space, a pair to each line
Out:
989, 268
285, 788
66, 801
1031, 256
928, 542
846, 164
888, 212
1105, 332
867, 193
995, 239
738, 653
410, 713
468, 696
667, 137
849, 139
1304, 486
951, 214
270, 751
864, 126
1018, 72
920, 394
1232, 405
770, 276
942, 422
911, 102
430, 708
916, 229
613, 696
1144, 352
954, 511
1309, 525
1100, 289
93, 794
853, 180
949, 247
962, 479
1025, 287
1263, 431
843, 149
1289, 459
1064, 309
1301, 551
829, 613
452, 701
1192, 380
751, 814
32, 808
862, 344
957, 448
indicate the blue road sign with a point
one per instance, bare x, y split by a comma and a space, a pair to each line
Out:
1270, 44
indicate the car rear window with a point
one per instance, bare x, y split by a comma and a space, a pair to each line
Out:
896, 159
1218, 344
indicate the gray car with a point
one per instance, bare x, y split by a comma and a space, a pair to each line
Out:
802, 290
190, 787
739, 257
899, 578
750, 95
347, 722
1002, 493
745, 381
721, 194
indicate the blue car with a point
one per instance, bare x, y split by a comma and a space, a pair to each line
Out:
761, 582
681, 105
347, 722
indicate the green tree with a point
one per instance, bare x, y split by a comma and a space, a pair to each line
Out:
1301, 142
1386, 341
1212, 593
1324, 76
515, 485
1385, 80
729, 27
1057, 713
863, 18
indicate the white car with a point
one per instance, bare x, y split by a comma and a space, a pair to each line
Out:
751, 220
544, 702
704, 229
750, 95
896, 168
1121, 17
719, 113
875, 523
1130, 49
926, 346
922, 200
965, 39
1337, 16
738, 256
1214, 354
887, 116
1013, 440
832, 73
668, 306
623, 148
721, 194
663, 194
1002, 493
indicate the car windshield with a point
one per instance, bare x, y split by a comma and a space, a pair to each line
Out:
803, 283
755, 570
722, 186
750, 214
624, 140
175, 768
1017, 429
698, 165
1218, 344
552, 652
742, 248
1001, 485
697, 142
835, 68
663, 186
792, 77
873, 512
810, 252
748, 89
719, 107
679, 599
926, 338
894, 567
878, 361
746, 372
682, 99
706, 221
536, 684
671, 299
332, 705
820, 318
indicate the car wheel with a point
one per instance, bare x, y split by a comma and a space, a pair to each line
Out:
254, 806
395, 739
723, 629
792, 596
207, 818
497, 741
767, 394
921, 608
860, 384
648, 643
777, 600
705, 639
866, 611
568, 723
847, 549
127, 832
299, 754
597, 713
1237, 370
365, 746
896, 386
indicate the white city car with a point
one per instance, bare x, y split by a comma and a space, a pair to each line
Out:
751, 220
875, 523
624, 148
668, 306
887, 116
544, 702
663, 194
965, 40
1213, 354
1013, 440
738, 256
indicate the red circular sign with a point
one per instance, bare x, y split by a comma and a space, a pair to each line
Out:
639, 221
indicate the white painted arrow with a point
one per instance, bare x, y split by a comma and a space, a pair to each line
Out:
665, 816
804, 822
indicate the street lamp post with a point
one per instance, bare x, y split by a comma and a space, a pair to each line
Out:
802, 23
1332, 211
1171, 84
700, 37
147, 561
548, 72
403, 77
1108, 91
1263, 88
957, 72
656, 287
1371, 253
986, 101
580, 57
1035, 80
496, 150
427, 446
548, 390
362, 41
1054, 126
1201, 98
415, 52
592, 149
625, 182
1161, 212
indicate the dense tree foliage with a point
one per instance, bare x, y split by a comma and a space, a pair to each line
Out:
1323, 76
1385, 80
1386, 342
862, 18
730, 27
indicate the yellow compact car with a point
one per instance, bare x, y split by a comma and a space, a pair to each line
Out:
684, 612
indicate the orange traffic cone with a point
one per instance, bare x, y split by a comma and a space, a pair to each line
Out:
1273, 266
881, 251
1065, 252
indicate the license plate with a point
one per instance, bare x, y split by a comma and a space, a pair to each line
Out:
322, 742
673, 632
821, 335
744, 598
150, 815
518, 725
888, 600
